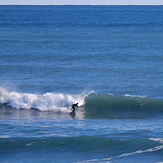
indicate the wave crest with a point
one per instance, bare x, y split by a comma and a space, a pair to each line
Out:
94, 105
57, 102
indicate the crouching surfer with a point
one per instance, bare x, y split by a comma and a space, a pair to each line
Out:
73, 107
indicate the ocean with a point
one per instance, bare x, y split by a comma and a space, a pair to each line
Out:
106, 58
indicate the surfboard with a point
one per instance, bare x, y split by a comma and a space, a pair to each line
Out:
72, 112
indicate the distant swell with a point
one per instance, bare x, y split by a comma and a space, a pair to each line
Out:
84, 144
93, 105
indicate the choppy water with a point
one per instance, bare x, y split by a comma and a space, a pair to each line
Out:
106, 58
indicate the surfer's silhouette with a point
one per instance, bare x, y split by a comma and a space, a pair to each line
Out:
73, 107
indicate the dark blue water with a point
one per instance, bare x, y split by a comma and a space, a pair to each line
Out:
106, 58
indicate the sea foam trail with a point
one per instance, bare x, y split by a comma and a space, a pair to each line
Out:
57, 102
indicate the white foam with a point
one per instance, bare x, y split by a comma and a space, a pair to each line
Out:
156, 148
57, 102
128, 95
124, 155
97, 160
157, 139
143, 151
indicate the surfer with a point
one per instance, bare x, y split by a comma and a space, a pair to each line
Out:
73, 107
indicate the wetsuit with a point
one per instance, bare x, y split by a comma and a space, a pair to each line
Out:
73, 106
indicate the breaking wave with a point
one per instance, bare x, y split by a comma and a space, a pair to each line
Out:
57, 102
94, 105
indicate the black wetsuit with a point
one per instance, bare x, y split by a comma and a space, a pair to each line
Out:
73, 106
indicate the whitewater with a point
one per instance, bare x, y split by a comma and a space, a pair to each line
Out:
50, 101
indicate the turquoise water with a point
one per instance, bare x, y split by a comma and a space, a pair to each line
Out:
106, 58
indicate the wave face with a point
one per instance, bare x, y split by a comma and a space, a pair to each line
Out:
93, 105
105, 105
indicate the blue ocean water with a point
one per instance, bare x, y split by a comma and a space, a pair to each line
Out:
106, 58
